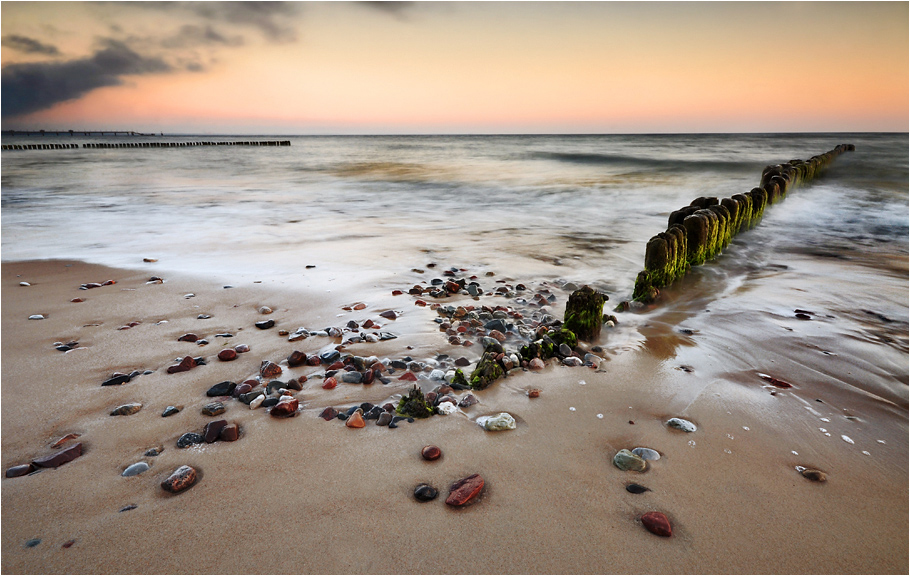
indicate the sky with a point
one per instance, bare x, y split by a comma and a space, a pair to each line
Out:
455, 67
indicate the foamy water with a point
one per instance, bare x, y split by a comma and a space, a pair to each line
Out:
366, 210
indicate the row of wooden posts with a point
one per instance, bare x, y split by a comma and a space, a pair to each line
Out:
143, 145
699, 232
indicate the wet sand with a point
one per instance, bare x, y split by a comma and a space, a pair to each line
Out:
302, 495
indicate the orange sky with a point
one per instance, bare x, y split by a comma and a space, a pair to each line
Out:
457, 67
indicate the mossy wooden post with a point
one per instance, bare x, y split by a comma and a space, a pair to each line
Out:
724, 220
677, 216
712, 246
696, 227
745, 219
733, 208
487, 371
772, 189
585, 312
680, 266
759, 202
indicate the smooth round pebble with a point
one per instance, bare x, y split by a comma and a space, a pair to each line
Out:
135, 469
425, 493
681, 424
646, 453
431, 452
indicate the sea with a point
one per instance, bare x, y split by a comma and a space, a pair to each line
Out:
361, 213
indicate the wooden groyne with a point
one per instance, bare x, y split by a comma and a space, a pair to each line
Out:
699, 232
107, 145
74, 132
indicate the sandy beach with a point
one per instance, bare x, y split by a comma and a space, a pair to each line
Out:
303, 495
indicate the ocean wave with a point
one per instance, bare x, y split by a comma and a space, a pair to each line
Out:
642, 163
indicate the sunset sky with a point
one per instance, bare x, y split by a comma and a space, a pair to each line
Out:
452, 67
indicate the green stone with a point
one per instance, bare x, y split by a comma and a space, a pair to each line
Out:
625, 460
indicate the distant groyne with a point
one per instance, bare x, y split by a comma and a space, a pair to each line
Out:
699, 232
106, 145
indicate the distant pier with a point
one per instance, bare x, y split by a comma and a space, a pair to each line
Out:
74, 133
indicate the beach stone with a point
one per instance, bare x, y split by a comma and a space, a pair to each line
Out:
203, 317
265, 310
330, 356
285, 408
536, 364
814, 475
171, 410
188, 337
225, 388
241, 348
189, 439
657, 523
468, 400
181, 479
185, 365
117, 380
352, 377
152, 452
501, 421
681, 424
425, 493
431, 453
329, 414
534, 393
295, 383
127, 409
269, 369
241, 389
213, 430
446, 408
384, 419
36, 317
135, 469
625, 460
213, 409
464, 491
329, 383
229, 433
355, 420
646, 453
227, 355
20, 470
269, 402
257, 401
636, 488
462, 362
32, 543
390, 314
59, 458
296, 358
265, 324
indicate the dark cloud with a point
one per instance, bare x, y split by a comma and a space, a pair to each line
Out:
36, 86
275, 20
190, 35
394, 8
28, 45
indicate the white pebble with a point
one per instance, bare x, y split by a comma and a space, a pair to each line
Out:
795, 453
446, 408
24, 284
730, 436
600, 416
265, 310
727, 450
880, 441
571, 408
847, 439
692, 443
822, 429
746, 428
257, 401
189, 295
866, 452
825, 419
36, 317
582, 382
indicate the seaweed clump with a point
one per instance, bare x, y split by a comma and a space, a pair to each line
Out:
414, 404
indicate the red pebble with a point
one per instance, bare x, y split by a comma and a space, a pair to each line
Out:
77, 300
465, 490
330, 383
409, 376
431, 453
420, 303
313, 360
285, 409
657, 523
397, 292
186, 364
336, 366
227, 355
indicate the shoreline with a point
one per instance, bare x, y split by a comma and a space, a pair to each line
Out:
305, 495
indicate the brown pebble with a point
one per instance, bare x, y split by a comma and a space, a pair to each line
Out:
68, 543
465, 490
229, 433
182, 479
186, 364
213, 430
269, 369
77, 300
189, 337
20, 470
285, 409
227, 355
657, 523
814, 475
60, 458
355, 420
534, 393
297, 358
431, 453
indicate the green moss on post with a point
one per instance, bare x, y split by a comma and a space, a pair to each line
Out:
487, 371
645, 290
724, 226
414, 404
696, 227
759, 201
745, 217
584, 313
732, 207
